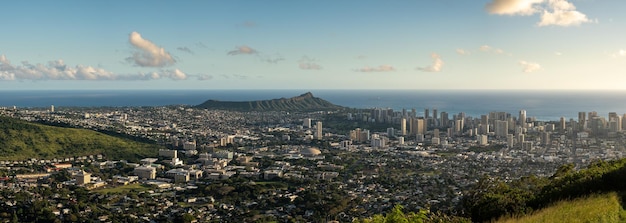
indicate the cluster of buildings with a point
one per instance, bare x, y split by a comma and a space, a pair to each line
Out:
417, 161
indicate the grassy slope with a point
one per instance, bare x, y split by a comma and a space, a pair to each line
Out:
594, 208
21, 140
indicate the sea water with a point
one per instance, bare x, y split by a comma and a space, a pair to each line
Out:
543, 105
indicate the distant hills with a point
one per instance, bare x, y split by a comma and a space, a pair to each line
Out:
304, 102
21, 140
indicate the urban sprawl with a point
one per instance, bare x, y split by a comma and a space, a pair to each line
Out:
230, 166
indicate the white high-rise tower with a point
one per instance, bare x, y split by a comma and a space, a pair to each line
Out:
318, 130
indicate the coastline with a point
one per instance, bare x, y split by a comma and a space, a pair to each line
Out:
544, 105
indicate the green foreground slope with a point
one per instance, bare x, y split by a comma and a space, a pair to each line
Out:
594, 208
493, 198
20, 140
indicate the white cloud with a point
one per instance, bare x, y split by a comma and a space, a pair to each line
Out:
513, 7
462, 52
619, 53
242, 50
149, 54
554, 12
563, 18
175, 74
381, 68
307, 63
558, 53
436, 66
58, 70
529, 67
54, 70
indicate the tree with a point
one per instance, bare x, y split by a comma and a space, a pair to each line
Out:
396, 215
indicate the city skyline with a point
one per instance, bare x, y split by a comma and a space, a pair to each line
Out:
490, 44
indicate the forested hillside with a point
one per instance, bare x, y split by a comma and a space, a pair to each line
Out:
21, 140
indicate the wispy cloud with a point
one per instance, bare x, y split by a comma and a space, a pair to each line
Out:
242, 50
489, 49
307, 63
558, 54
619, 53
553, 12
203, 77
185, 49
462, 52
271, 59
201, 45
249, 24
246, 50
148, 54
529, 67
381, 68
436, 66
234, 76
513, 7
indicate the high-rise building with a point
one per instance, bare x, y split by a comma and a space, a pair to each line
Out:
435, 117
623, 121
51, 108
502, 128
618, 121
418, 126
522, 118
482, 140
545, 138
457, 126
484, 124
318, 130
582, 121
426, 114
562, 125
444, 119
306, 123
403, 126
509, 140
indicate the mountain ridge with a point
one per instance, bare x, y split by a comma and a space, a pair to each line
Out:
303, 102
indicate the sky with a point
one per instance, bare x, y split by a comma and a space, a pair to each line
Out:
325, 44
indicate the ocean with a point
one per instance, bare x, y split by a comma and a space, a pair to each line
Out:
543, 105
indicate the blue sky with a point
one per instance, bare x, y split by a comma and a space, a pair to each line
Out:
444, 44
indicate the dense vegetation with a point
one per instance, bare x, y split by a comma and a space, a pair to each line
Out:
493, 198
304, 102
20, 140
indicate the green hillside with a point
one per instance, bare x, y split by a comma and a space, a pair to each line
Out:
594, 208
493, 198
20, 140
